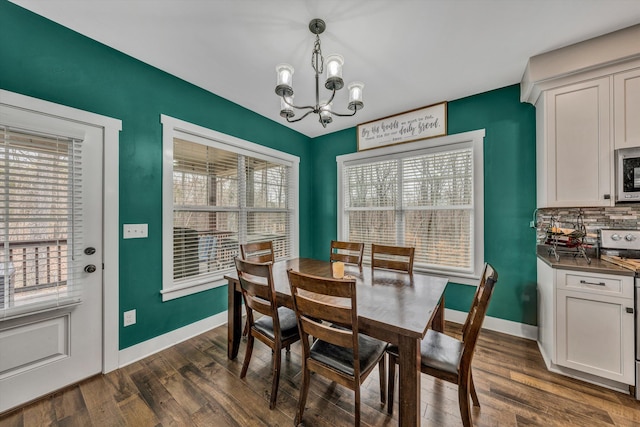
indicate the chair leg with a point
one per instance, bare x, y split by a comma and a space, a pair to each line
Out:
382, 366
247, 356
356, 422
474, 395
304, 391
276, 377
463, 402
245, 331
392, 383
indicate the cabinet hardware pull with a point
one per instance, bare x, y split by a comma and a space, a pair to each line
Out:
584, 282
629, 310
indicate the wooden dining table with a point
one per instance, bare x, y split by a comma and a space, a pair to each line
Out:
393, 306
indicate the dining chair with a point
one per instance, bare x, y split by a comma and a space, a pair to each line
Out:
277, 328
448, 358
326, 309
347, 252
392, 257
258, 251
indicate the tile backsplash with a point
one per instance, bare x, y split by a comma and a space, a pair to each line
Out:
623, 216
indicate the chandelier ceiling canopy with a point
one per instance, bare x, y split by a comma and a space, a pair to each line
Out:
333, 82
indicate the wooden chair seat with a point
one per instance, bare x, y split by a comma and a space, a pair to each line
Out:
288, 324
438, 351
341, 358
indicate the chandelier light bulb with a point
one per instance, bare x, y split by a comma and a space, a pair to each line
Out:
284, 85
286, 109
355, 96
334, 72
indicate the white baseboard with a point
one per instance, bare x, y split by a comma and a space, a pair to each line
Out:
509, 327
147, 348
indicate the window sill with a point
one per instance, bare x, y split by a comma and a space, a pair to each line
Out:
459, 278
192, 287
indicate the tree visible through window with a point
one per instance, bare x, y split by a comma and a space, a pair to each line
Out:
221, 191
421, 198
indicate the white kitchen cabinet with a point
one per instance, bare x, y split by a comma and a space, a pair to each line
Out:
626, 95
586, 322
574, 147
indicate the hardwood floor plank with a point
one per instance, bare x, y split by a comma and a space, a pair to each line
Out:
40, 413
136, 412
161, 402
101, 403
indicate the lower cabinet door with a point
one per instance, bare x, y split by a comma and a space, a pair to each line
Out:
595, 335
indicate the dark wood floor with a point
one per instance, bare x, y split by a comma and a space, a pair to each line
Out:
194, 384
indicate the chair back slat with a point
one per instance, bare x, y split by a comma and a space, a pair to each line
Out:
256, 281
347, 252
324, 310
343, 338
258, 252
392, 257
477, 312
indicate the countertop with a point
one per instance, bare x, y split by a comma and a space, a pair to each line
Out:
569, 262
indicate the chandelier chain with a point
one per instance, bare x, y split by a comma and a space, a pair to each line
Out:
316, 57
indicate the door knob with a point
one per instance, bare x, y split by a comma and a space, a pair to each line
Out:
90, 251
90, 268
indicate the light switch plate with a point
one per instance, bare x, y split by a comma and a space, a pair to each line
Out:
135, 231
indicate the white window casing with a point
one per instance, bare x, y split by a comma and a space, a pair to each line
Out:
428, 194
220, 191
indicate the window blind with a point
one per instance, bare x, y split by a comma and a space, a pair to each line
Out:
223, 198
41, 210
420, 200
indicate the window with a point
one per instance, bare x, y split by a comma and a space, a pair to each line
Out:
426, 194
221, 191
41, 182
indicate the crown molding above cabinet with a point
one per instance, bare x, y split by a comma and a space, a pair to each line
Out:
596, 57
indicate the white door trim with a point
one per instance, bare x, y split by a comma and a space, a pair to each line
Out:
111, 128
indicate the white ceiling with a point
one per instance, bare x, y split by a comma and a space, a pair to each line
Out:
409, 53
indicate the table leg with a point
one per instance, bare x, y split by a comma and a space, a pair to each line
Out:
409, 379
438, 318
234, 320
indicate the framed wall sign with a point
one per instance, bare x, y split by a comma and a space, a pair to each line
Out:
425, 122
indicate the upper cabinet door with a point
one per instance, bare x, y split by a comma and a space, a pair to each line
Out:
626, 88
576, 147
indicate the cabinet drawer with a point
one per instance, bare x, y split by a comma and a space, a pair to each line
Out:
603, 284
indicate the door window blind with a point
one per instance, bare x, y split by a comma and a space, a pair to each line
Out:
223, 198
424, 201
41, 211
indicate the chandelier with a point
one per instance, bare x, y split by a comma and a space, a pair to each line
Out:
334, 82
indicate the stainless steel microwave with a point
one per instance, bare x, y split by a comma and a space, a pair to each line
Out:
628, 175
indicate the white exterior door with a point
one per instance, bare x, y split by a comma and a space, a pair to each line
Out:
51, 254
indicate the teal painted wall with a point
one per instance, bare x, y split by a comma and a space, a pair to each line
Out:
42, 59
510, 196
